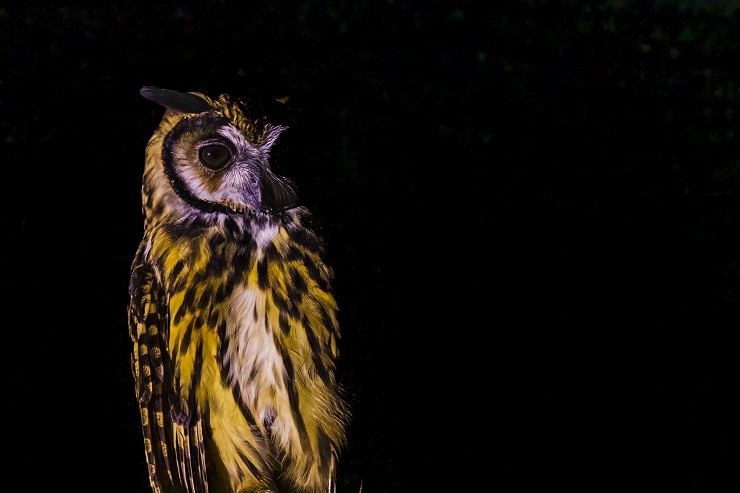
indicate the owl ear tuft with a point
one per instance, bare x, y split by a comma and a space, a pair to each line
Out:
181, 101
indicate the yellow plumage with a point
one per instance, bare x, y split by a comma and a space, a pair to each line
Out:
232, 317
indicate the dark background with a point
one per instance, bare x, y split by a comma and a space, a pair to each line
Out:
532, 209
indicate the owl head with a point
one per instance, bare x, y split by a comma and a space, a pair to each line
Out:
210, 158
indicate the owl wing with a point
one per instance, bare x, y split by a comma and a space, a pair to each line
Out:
174, 450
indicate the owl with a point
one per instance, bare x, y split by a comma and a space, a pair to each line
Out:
231, 313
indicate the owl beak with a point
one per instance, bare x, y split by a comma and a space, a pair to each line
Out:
251, 199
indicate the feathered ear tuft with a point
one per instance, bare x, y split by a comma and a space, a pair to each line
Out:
182, 101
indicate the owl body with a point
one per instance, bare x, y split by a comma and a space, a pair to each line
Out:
232, 317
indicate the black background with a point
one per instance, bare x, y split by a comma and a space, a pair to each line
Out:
532, 209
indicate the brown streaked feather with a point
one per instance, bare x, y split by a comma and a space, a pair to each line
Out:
167, 446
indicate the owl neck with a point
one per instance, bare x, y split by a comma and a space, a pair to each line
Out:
234, 209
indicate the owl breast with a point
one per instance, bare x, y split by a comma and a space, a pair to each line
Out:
253, 363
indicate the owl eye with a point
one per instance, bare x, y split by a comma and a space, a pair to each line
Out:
214, 156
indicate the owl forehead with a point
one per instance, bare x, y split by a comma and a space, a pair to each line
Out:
210, 125
237, 114
233, 135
